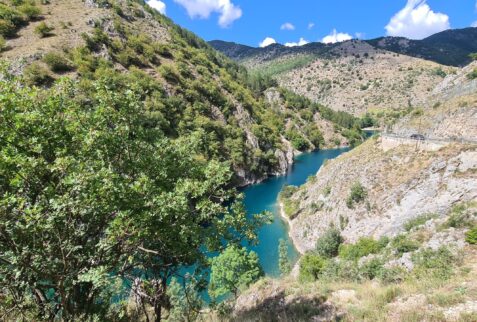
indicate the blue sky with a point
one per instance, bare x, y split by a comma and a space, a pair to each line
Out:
250, 22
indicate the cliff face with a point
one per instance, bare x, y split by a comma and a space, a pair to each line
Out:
400, 184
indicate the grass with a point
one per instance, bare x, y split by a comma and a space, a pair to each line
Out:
285, 65
418, 221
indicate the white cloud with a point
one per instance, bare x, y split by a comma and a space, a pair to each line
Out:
417, 21
287, 26
267, 42
335, 37
474, 24
158, 5
301, 42
359, 35
203, 8
311, 25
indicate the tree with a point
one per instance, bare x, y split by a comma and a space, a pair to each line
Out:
92, 193
283, 262
185, 301
328, 244
311, 267
232, 270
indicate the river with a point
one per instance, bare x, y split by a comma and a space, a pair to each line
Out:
263, 196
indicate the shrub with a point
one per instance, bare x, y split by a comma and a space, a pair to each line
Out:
402, 244
460, 217
356, 195
7, 28
471, 236
434, 263
328, 244
297, 140
418, 221
371, 269
287, 191
3, 44
43, 30
363, 247
472, 74
290, 207
30, 11
36, 74
311, 267
57, 62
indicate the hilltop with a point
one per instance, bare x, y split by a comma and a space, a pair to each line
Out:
359, 76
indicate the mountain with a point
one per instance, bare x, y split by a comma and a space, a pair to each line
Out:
450, 47
190, 86
386, 229
361, 76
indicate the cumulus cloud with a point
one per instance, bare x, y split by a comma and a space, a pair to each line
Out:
202, 9
158, 5
267, 42
417, 21
287, 26
474, 24
311, 25
300, 42
335, 37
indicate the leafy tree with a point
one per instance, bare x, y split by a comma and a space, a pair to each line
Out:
328, 244
94, 192
232, 270
311, 267
283, 261
185, 301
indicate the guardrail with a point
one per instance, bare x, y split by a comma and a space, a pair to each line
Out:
431, 139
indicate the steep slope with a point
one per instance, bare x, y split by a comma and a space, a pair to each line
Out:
191, 89
352, 76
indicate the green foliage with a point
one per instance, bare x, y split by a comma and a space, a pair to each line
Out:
418, 221
461, 216
185, 301
471, 236
402, 244
363, 247
328, 244
36, 74
297, 140
283, 261
472, 75
16, 14
43, 30
287, 191
92, 193
311, 267
3, 44
435, 263
232, 270
57, 62
357, 194
473, 56
30, 11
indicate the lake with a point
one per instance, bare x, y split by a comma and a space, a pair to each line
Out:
263, 196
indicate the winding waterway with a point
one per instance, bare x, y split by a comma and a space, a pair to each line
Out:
263, 196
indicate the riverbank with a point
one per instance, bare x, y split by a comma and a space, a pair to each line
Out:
290, 226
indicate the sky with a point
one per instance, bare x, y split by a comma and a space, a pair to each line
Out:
297, 22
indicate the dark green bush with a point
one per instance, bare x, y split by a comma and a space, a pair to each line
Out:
363, 247
328, 244
43, 30
471, 236
297, 140
402, 244
30, 11
7, 28
311, 267
36, 74
356, 195
57, 62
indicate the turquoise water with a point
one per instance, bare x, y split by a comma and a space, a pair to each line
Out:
263, 196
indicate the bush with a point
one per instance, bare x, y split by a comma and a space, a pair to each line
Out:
57, 62
418, 221
434, 263
471, 236
311, 267
7, 28
363, 247
43, 30
30, 11
460, 217
356, 195
371, 269
402, 244
3, 44
35, 74
287, 191
327, 245
472, 74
